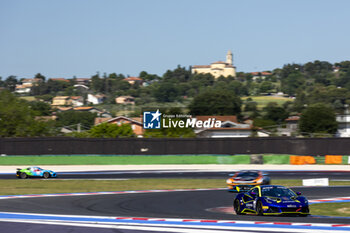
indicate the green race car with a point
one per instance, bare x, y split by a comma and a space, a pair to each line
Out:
34, 172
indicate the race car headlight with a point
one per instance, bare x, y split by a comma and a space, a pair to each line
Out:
229, 181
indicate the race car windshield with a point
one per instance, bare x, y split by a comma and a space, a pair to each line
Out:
247, 174
277, 192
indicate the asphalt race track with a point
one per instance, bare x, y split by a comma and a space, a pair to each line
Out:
189, 204
336, 175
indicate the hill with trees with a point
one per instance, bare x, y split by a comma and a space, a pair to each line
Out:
305, 85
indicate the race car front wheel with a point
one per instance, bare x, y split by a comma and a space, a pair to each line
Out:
237, 207
46, 175
259, 208
23, 175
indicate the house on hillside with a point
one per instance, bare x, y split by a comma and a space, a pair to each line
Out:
60, 80
32, 81
23, 89
61, 101
292, 126
230, 128
83, 81
102, 114
260, 75
133, 80
26, 85
135, 122
125, 100
95, 99
77, 101
63, 109
343, 124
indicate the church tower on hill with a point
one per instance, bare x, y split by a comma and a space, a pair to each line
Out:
218, 68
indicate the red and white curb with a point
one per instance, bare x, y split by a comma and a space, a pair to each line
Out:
231, 222
325, 200
97, 219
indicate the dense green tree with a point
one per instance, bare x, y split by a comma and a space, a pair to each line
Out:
317, 67
166, 92
318, 118
46, 98
40, 89
40, 76
10, 83
292, 83
250, 106
266, 87
237, 87
180, 74
275, 113
216, 102
148, 77
344, 65
52, 87
264, 123
198, 82
343, 80
97, 83
106, 130
251, 109
55, 86
41, 108
68, 118
329, 95
289, 69
17, 119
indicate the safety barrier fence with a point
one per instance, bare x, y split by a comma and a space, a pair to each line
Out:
174, 146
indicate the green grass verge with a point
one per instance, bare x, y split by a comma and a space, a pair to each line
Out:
145, 159
39, 186
36, 186
331, 209
124, 160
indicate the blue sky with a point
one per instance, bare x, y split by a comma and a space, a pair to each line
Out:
69, 38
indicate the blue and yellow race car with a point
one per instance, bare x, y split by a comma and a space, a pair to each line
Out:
271, 200
34, 172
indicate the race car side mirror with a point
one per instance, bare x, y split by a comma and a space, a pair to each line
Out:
298, 193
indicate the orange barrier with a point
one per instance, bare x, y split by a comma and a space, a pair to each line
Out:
300, 160
334, 159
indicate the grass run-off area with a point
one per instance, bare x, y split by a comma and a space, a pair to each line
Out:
331, 209
39, 186
124, 159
